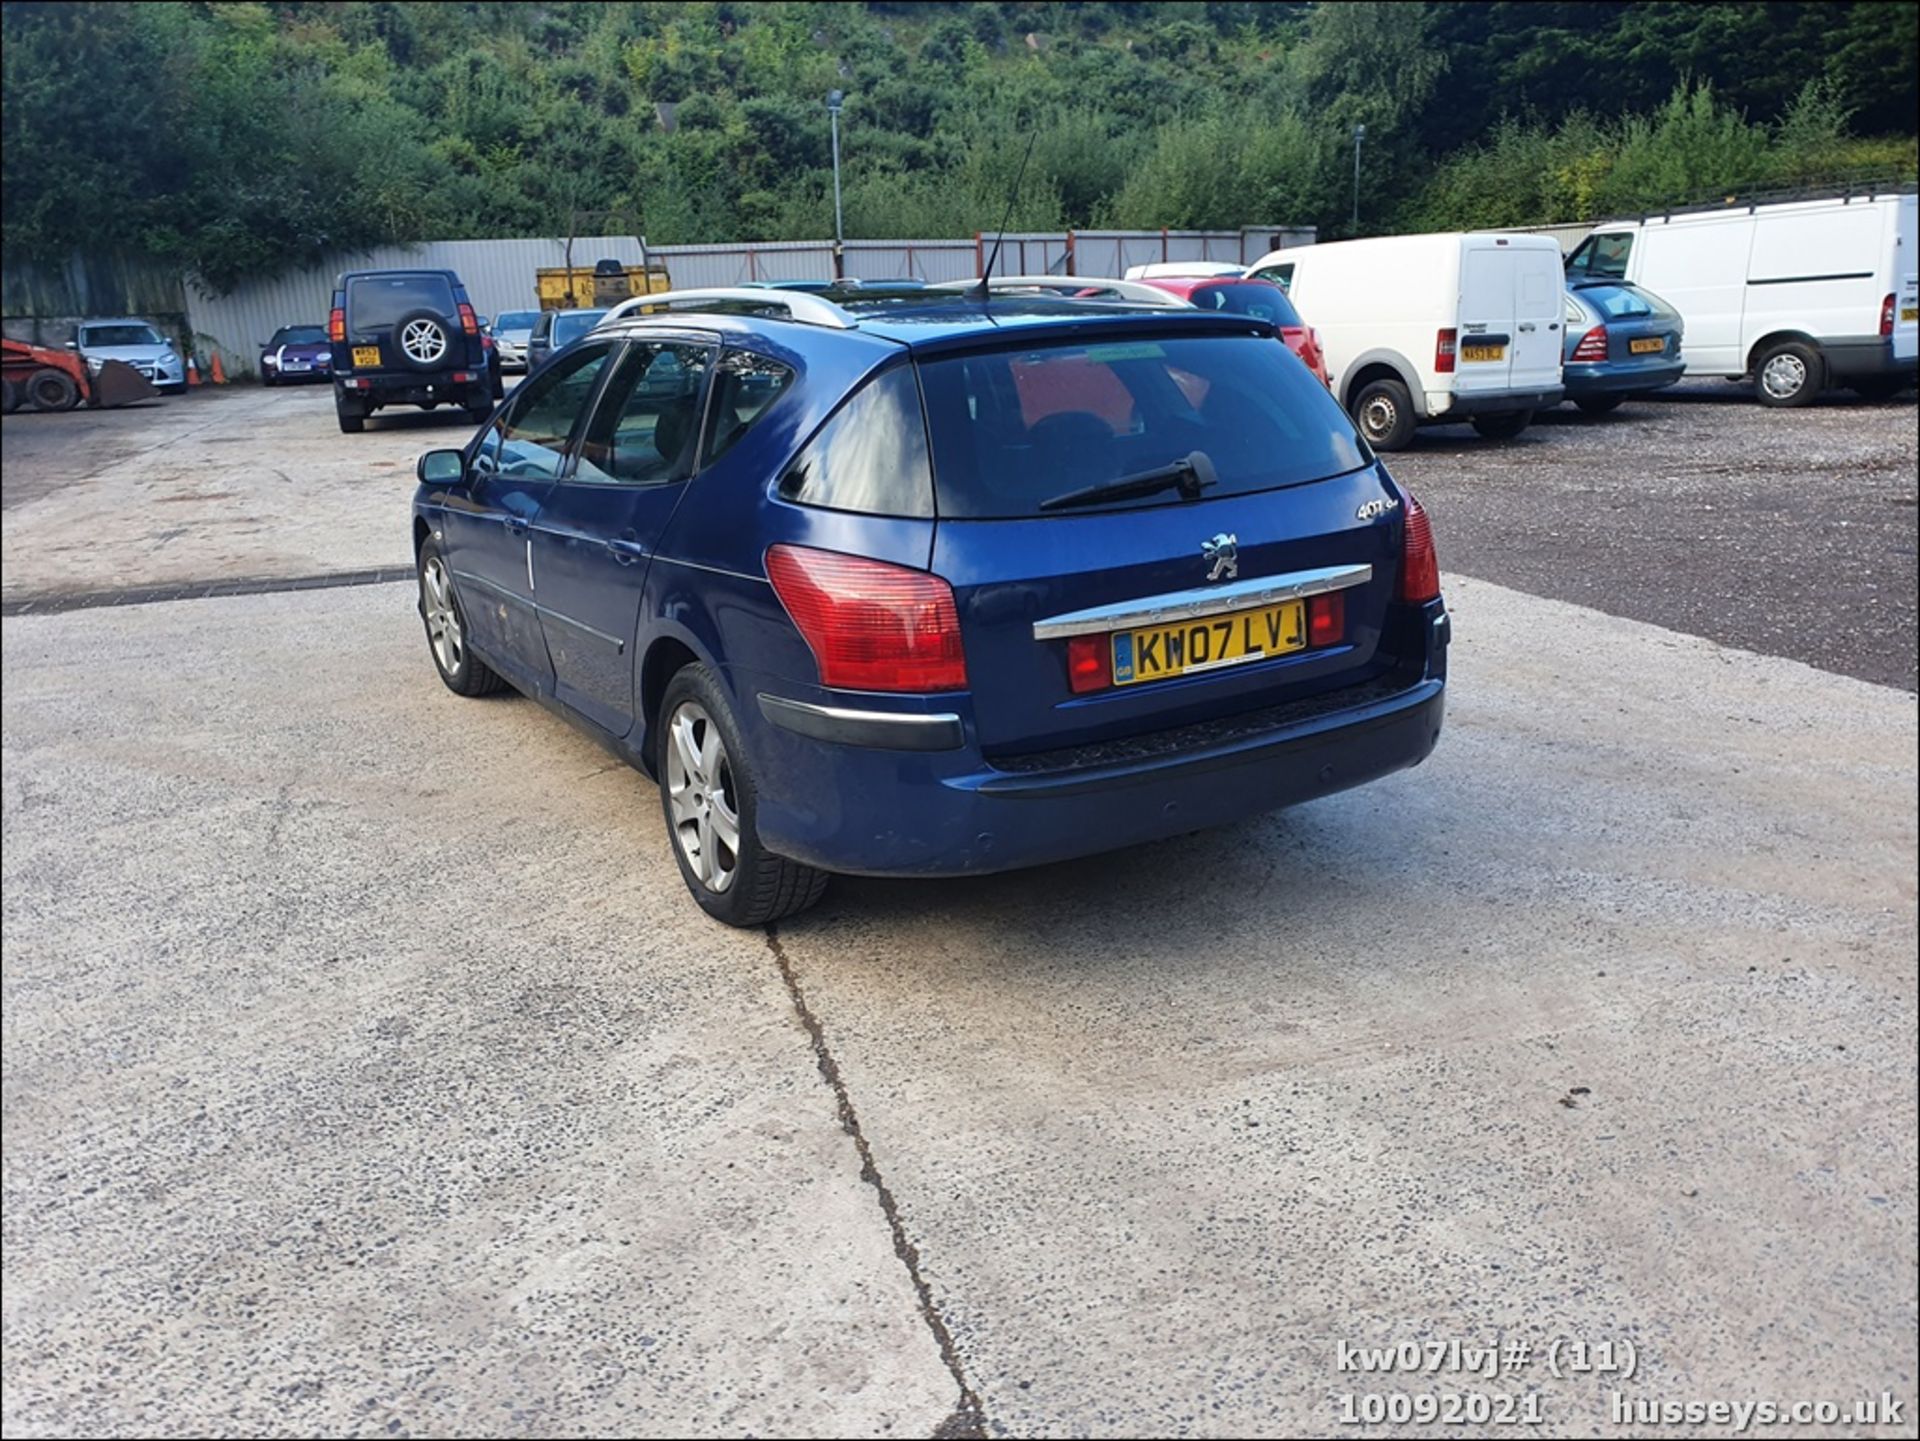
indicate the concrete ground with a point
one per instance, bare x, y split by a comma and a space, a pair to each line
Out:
367, 1070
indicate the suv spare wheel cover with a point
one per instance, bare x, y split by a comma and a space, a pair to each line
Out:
422, 339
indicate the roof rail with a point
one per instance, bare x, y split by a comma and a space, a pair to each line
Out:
802, 307
1734, 198
1066, 287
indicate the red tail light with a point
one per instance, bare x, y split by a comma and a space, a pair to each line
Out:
337, 325
467, 321
1886, 316
871, 625
1593, 345
1089, 663
1419, 563
1444, 346
1327, 618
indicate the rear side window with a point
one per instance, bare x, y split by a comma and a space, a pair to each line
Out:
744, 386
1263, 300
644, 430
1261, 417
871, 457
374, 301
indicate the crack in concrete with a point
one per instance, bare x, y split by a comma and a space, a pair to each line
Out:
968, 1418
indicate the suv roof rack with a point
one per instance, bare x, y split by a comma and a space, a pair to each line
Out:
801, 306
1055, 285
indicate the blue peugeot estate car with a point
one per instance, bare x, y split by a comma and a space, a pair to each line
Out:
925, 583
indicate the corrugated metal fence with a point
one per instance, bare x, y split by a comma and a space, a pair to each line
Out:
499, 275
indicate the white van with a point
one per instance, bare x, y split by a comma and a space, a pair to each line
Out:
1432, 329
1798, 295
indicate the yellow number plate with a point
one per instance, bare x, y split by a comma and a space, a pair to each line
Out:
1909, 312
1159, 652
366, 355
1483, 352
1647, 346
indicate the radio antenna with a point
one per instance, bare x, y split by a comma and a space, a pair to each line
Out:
985, 291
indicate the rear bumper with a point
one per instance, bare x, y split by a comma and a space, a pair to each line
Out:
1619, 377
862, 803
1867, 357
415, 387
1496, 402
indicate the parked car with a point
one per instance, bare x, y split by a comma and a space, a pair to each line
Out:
1798, 295
1261, 299
134, 342
937, 590
1620, 341
296, 353
406, 337
512, 329
1432, 329
555, 330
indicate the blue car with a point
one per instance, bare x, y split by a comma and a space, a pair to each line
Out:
1621, 341
937, 589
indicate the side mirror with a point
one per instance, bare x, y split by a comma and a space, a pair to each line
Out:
441, 467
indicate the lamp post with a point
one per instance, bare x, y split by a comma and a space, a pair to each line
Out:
1359, 134
834, 99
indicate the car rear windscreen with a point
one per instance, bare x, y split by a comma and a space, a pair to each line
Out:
1261, 299
1011, 429
574, 324
380, 300
1621, 301
301, 335
516, 320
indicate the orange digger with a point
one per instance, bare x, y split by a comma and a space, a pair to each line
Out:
33, 376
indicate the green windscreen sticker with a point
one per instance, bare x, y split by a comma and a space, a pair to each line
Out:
1140, 350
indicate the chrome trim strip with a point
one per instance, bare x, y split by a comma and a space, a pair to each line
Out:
886, 730
1202, 600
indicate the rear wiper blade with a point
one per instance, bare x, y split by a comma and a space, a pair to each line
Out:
1190, 474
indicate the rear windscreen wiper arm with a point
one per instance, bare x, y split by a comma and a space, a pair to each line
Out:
1190, 474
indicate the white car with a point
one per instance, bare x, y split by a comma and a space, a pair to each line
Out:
511, 331
1432, 329
1795, 294
137, 343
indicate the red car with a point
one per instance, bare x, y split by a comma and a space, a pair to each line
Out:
1259, 298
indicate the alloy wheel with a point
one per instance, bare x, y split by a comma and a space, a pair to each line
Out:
444, 632
701, 796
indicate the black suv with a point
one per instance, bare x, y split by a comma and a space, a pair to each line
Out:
407, 337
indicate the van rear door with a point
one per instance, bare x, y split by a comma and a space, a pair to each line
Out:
1539, 301
1488, 321
1700, 268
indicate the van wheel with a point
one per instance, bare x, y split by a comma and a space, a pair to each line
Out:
1384, 412
1598, 404
1504, 426
1789, 374
707, 793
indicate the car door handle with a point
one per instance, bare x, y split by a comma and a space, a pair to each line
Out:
1526, 325
514, 525
627, 549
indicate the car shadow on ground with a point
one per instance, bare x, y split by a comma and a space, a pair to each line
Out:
441, 418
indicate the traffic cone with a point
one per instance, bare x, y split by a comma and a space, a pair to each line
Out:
193, 373
219, 375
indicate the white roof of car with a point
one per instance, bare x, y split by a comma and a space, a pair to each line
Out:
1168, 269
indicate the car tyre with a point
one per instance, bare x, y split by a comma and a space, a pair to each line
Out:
1503, 426
1789, 374
1598, 404
463, 671
706, 791
1384, 412
51, 389
352, 422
